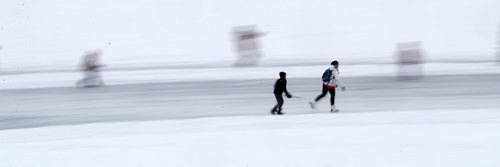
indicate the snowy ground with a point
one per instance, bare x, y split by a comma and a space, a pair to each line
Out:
458, 138
219, 117
191, 93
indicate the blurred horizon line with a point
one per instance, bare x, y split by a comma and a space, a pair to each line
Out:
227, 64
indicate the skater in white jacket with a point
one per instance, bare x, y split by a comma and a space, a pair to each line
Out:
331, 81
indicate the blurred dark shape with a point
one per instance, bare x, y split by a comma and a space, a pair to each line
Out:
410, 59
247, 45
90, 66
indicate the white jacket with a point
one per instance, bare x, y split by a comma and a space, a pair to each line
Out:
334, 79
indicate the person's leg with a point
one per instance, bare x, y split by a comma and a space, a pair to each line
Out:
280, 100
332, 98
323, 93
279, 104
274, 109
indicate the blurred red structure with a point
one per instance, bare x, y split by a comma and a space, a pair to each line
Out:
247, 45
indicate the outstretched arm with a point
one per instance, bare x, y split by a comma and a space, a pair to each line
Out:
338, 81
286, 90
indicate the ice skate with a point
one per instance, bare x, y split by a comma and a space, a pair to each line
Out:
279, 112
312, 104
274, 111
333, 109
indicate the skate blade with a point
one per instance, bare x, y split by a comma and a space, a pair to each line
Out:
313, 106
334, 111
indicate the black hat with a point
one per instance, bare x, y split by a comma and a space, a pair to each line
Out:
282, 74
335, 62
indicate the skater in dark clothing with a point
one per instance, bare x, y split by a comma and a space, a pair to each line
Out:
91, 68
331, 81
279, 88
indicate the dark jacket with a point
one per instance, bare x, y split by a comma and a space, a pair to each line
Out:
280, 86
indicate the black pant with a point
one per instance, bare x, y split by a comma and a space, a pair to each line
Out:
279, 99
323, 93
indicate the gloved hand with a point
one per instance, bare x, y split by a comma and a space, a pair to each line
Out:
289, 95
343, 88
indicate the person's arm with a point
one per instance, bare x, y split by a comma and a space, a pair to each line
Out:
338, 81
285, 90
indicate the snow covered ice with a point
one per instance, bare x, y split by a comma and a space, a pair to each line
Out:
407, 138
432, 122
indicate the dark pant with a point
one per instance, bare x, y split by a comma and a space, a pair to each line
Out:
323, 93
279, 99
